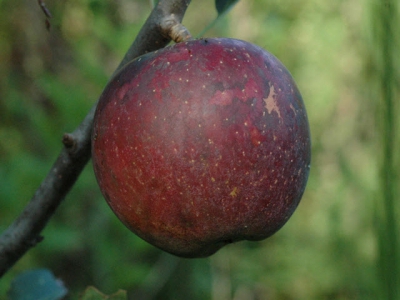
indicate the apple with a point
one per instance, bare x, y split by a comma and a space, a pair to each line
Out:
202, 144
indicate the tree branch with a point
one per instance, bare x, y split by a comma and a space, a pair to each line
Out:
24, 233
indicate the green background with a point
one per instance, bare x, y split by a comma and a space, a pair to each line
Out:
341, 243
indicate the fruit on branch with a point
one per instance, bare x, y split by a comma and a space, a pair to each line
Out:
202, 144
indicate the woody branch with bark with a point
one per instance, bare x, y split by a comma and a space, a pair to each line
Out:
162, 26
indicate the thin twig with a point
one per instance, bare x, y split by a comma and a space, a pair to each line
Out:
44, 8
47, 13
24, 232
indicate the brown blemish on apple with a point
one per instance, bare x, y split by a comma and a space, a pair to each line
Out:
270, 102
234, 192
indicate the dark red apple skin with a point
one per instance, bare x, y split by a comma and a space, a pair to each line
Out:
201, 144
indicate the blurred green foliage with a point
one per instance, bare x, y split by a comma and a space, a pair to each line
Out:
334, 245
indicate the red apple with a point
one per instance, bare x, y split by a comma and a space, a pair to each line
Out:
202, 144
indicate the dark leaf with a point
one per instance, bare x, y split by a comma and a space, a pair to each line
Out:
223, 6
36, 285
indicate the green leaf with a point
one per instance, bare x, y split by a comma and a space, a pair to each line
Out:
224, 6
91, 293
37, 284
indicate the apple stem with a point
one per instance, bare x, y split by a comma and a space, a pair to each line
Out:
173, 29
